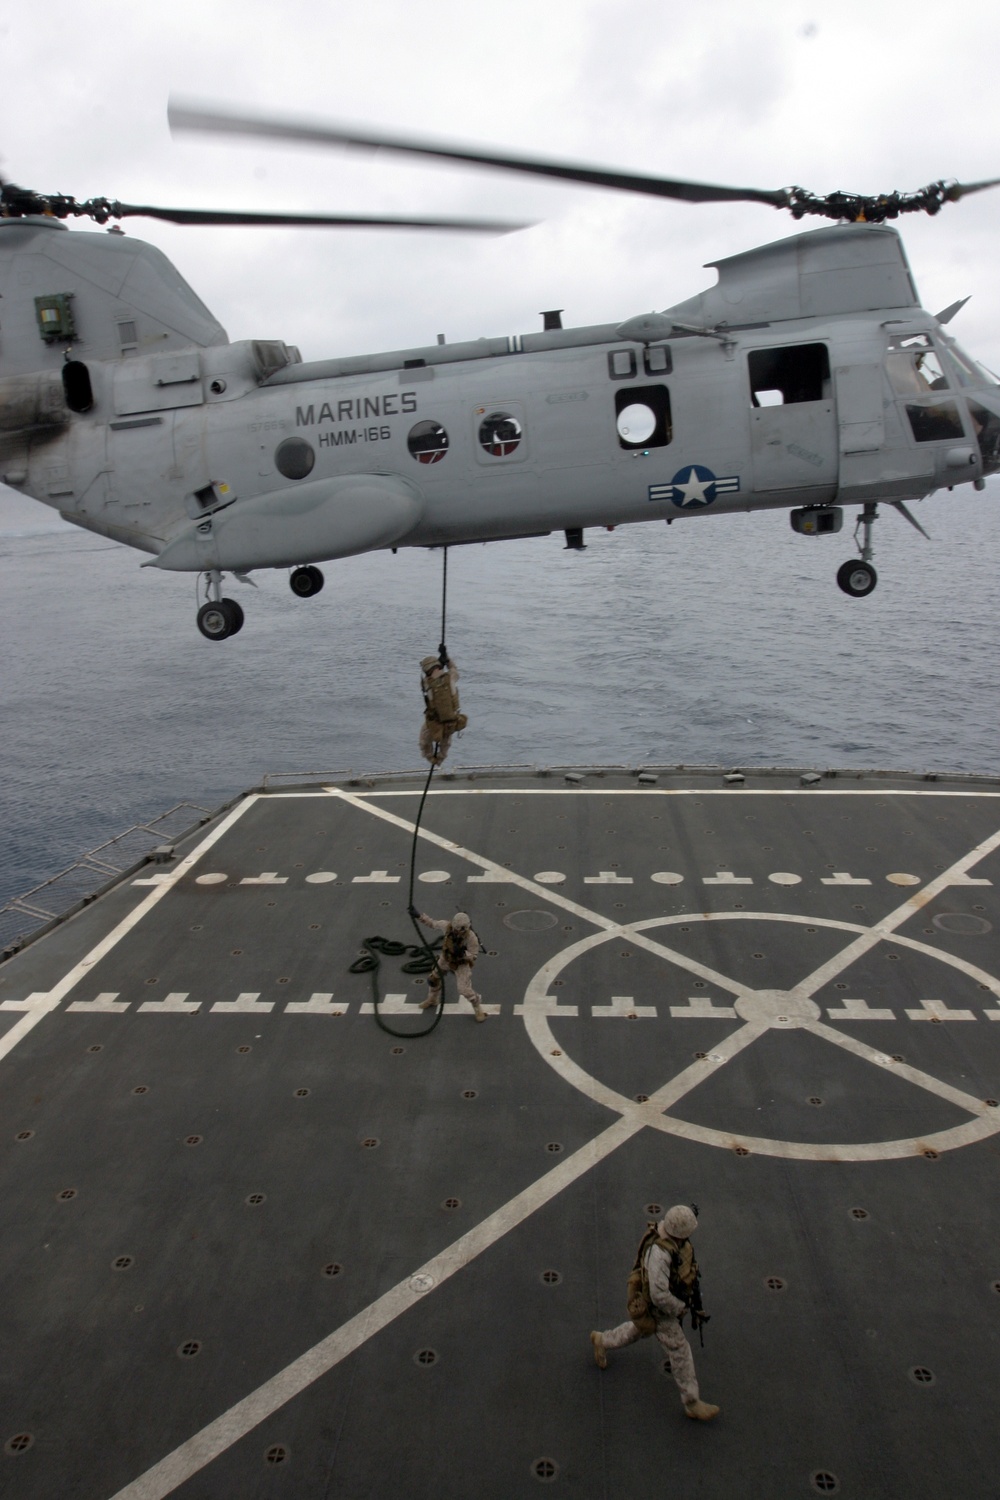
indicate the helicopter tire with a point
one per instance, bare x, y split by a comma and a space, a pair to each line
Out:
219, 621
306, 581
857, 578
236, 615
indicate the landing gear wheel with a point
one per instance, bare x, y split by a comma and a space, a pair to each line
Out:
218, 621
857, 578
307, 581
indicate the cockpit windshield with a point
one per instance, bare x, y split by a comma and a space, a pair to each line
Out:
970, 372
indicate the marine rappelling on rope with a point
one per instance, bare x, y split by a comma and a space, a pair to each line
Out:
442, 719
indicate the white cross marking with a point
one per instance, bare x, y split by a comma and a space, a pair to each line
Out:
936, 1010
318, 1004
623, 1005
176, 1004
243, 1003
107, 1003
701, 1006
859, 1010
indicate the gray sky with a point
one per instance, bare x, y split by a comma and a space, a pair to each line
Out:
866, 96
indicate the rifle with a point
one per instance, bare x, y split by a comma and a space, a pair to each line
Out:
699, 1317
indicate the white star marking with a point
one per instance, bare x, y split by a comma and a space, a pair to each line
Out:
693, 489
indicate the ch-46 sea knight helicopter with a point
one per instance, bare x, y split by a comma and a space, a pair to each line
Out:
808, 378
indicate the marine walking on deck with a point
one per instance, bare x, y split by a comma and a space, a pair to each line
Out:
662, 1287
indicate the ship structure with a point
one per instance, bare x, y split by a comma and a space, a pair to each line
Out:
257, 1246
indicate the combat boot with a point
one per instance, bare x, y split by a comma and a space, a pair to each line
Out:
479, 1013
600, 1353
432, 999
701, 1411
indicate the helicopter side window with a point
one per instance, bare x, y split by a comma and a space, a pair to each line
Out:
794, 373
428, 442
621, 364
643, 416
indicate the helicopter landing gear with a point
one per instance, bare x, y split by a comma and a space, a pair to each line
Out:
859, 578
219, 620
307, 581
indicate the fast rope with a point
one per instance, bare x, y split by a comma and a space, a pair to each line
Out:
422, 954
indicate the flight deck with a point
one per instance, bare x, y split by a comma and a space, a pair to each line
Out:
257, 1247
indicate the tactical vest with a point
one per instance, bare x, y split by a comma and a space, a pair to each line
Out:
441, 702
453, 949
683, 1275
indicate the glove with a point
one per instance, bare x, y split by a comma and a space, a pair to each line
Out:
414, 913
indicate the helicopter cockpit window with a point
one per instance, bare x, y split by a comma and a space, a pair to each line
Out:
970, 372
914, 367
621, 364
428, 442
499, 434
986, 425
915, 372
643, 416
796, 372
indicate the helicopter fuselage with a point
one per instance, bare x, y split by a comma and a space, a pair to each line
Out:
232, 457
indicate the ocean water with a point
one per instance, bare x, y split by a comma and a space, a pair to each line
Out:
714, 641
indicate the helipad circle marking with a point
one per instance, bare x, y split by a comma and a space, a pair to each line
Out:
785, 877
983, 1123
901, 878
550, 877
434, 877
321, 877
210, 879
667, 877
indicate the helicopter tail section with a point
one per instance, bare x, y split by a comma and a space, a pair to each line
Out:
104, 296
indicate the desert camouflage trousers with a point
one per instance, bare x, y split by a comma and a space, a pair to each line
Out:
675, 1345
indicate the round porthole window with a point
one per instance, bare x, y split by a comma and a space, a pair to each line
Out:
428, 442
637, 423
294, 458
499, 434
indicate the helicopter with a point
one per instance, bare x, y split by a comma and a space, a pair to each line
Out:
808, 378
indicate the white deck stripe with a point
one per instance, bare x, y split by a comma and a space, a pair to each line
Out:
58, 993
659, 791
185, 1461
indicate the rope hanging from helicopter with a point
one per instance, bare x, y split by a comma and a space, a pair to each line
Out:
422, 955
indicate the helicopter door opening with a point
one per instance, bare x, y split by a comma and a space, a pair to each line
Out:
793, 429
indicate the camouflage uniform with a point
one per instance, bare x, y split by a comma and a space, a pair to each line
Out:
458, 954
442, 717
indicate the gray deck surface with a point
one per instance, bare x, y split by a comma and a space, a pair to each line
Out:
221, 1153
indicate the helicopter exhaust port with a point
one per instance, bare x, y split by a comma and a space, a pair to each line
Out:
817, 520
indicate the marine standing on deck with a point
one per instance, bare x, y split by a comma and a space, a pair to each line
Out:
442, 717
459, 952
661, 1289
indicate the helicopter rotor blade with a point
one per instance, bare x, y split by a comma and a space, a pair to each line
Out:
957, 190
208, 216
860, 208
193, 117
